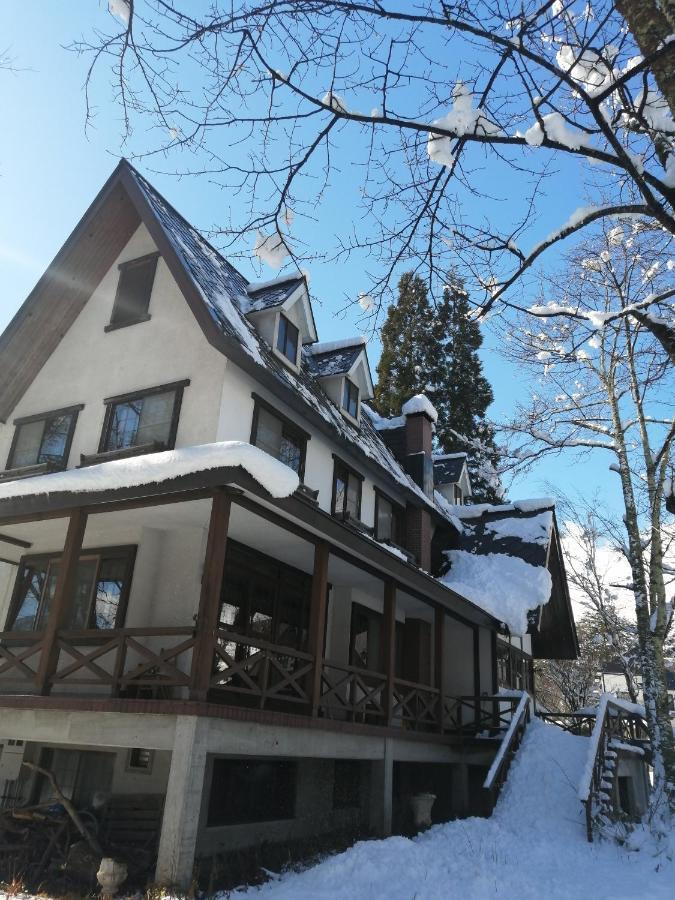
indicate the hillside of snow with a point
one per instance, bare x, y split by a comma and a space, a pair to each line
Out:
533, 847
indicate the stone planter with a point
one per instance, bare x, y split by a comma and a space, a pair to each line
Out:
421, 805
111, 875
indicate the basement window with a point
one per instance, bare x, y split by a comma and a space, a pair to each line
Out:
251, 791
346, 784
139, 760
133, 292
288, 338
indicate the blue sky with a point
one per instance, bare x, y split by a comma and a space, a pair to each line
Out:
50, 170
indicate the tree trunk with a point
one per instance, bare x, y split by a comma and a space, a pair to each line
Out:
651, 22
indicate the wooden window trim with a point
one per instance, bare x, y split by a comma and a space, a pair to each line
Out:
123, 267
288, 424
399, 518
337, 462
110, 403
122, 551
72, 411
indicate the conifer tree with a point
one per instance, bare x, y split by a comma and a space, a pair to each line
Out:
434, 350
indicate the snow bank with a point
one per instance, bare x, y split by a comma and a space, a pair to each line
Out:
420, 404
504, 586
533, 846
151, 468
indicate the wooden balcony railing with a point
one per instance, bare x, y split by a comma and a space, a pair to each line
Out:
126, 661
257, 669
352, 694
488, 714
416, 705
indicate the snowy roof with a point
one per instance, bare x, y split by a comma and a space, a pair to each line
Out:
225, 292
332, 362
420, 403
448, 468
525, 535
153, 468
270, 294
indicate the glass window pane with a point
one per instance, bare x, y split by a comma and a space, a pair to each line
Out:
54, 439
124, 425
78, 612
291, 452
109, 587
384, 520
353, 496
268, 433
155, 418
33, 578
134, 290
48, 594
27, 446
340, 492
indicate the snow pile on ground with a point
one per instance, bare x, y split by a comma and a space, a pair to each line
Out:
151, 468
504, 586
534, 846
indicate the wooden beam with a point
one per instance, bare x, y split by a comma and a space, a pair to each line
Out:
439, 659
389, 646
63, 595
209, 599
317, 621
16, 542
493, 653
476, 672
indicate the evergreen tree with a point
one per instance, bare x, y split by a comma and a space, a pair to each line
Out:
434, 350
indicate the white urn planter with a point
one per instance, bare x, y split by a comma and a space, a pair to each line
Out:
421, 809
111, 875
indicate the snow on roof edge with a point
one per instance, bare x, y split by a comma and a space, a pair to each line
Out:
420, 403
278, 479
319, 347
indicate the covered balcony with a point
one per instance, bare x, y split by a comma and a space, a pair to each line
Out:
203, 594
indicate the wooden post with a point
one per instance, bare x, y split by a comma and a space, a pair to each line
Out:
389, 647
439, 660
317, 622
476, 675
206, 631
63, 594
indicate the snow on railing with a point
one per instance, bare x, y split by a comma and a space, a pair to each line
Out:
598, 729
509, 741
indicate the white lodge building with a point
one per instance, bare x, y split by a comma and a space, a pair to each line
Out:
223, 583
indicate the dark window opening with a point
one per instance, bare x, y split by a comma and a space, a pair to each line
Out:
276, 436
350, 398
43, 439
251, 791
346, 491
80, 774
459, 497
389, 525
145, 419
365, 638
346, 784
140, 759
133, 291
100, 592
288, 337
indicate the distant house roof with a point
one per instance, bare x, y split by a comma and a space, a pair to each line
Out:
448, 468
270, 294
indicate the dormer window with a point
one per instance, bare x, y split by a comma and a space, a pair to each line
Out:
133, 292
350, 398
288, 337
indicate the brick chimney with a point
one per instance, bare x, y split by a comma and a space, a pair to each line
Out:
420, 417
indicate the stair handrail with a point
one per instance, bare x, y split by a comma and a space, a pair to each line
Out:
608, 716
513, 735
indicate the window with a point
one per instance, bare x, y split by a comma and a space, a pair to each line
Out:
99, 595
350, 398
43, 439
287, 339
346, 491
147, 419
365, 637
346, 784
459, 497
139, 759
133, 292
388, 521
251, 791
277, 436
